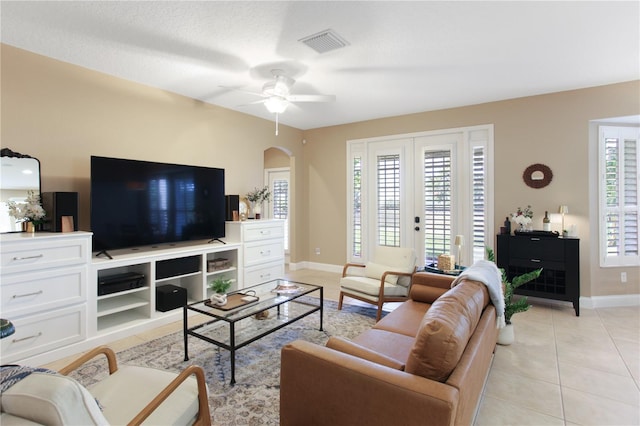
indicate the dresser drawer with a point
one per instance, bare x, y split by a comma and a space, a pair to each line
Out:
40, 333
258, 231
537, 249
28, 293
26, 257
257, 253
263, 273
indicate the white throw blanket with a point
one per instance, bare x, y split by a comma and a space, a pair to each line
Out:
487, 273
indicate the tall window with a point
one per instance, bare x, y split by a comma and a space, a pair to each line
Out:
619, 195
437, 204
389, 200
479, 194
356, 227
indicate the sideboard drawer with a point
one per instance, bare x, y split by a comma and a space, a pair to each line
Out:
533, 248
40, 333
263, 273
38, 255
256, 253
258, 231
38, 291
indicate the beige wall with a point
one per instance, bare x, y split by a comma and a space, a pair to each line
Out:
549, 129
63, 114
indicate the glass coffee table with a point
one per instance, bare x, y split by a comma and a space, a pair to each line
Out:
251, 314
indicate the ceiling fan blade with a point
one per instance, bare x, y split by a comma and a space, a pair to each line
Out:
248, 92
259, 101
311, 98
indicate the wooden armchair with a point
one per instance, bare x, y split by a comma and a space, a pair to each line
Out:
387, 278
128, 395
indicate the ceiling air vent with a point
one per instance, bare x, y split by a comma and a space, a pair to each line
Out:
324, 41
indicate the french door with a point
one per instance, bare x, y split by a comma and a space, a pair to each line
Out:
421, 191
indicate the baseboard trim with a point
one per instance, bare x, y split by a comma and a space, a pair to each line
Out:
614, 301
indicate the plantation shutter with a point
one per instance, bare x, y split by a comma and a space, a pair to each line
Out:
437, 203
619, 196
388, 206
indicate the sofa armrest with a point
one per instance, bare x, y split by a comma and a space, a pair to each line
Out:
427, 287
351, 348
320, 386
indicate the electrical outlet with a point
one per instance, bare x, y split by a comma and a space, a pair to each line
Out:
317, 250
623, 277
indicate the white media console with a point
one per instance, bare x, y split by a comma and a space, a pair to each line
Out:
49, 285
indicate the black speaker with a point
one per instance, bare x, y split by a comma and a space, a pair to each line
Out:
233, 203
170, 297
62, 211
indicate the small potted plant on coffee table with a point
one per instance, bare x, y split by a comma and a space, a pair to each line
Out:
220, 286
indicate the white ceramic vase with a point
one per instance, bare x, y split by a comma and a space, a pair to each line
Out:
218, 299
506, 335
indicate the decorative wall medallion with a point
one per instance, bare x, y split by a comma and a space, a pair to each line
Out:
537, 176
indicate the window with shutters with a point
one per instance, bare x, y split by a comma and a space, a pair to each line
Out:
437, 204
388, 200
619, 190
356, 208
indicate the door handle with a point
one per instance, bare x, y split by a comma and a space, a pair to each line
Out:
417, 228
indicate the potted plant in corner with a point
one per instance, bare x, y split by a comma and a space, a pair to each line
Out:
506, 335
257, 197
220, 286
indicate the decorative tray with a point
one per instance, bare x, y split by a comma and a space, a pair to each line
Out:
234, 301
287, 288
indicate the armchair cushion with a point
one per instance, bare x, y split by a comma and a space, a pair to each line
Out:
52, 400
118, 392
370, 287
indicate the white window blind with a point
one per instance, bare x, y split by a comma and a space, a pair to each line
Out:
280, 203
619, 196
388, 190
356, 208
479, 189
437, 204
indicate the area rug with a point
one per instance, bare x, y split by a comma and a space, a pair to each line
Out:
254, 399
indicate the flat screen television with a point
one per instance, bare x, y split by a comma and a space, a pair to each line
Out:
141, 203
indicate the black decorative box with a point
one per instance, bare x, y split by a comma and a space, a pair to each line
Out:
169, 297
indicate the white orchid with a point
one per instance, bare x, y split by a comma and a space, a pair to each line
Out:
28, 211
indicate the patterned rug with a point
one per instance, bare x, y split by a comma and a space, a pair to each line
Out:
254, 399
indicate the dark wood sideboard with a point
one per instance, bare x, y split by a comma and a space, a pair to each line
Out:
559, 258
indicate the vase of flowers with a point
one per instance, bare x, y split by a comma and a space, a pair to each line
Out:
524, 218
29, 212
257, 197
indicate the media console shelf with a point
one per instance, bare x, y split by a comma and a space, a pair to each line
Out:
135, 275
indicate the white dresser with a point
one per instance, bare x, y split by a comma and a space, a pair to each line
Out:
262, 249
43, 291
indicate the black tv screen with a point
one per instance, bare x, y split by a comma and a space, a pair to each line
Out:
140, 203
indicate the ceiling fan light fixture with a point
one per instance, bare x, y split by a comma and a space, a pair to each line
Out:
276, 104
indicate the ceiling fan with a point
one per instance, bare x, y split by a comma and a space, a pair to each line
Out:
276, 94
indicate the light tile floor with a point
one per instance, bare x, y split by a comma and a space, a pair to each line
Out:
561, 370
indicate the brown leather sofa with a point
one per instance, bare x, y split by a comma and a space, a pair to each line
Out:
425, 363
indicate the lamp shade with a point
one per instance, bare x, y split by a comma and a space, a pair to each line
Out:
459, 241
563, 209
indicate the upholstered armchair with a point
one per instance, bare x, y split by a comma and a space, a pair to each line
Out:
386, 278
128, 395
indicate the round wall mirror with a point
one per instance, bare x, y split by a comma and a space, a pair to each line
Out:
537, 176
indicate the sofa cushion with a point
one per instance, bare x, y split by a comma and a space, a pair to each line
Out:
446, 329
405, 319
393, 345
348, 347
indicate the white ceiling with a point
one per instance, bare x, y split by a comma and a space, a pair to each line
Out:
403, 57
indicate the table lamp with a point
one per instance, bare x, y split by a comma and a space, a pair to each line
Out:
563, 210
459, 242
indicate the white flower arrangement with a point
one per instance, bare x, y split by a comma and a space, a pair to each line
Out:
523, 217
29, 211
259, 195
